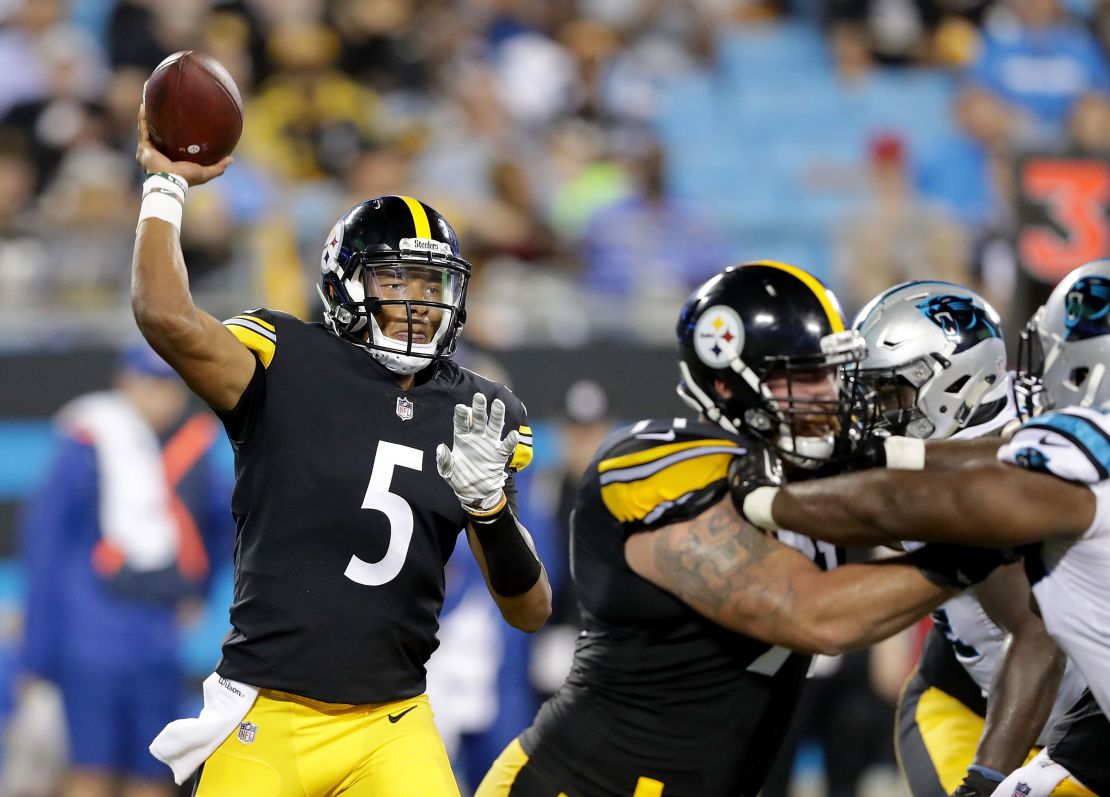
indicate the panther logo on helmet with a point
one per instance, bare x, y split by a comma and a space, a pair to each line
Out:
1087, 313
963, 322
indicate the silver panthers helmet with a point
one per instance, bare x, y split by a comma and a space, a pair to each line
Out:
935, 355
1065, 348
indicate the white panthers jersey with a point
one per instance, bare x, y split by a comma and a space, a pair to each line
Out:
977, 642
1071, 577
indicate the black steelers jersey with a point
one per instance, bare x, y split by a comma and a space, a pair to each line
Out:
344, 524
657, 693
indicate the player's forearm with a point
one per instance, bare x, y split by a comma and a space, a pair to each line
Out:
989, 504
1021, 698
527, 612
514, 575
860, 509
943, 454
160, 297
857, 605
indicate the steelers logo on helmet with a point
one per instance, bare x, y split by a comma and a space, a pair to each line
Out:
393, 284
718, 336
329, 258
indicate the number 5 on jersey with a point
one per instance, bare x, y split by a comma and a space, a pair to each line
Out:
396, 510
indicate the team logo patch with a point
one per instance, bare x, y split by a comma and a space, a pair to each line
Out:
718, 336
963, 323
1087, 313
331, 249
1032, 459
404, 408
247, 732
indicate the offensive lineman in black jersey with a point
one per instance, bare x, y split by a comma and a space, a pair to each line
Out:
344, 525
698, 628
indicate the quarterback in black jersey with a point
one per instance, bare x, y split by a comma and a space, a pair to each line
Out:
362, 450
699, 628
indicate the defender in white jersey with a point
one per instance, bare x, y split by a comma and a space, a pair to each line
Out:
936, 367
1049, 488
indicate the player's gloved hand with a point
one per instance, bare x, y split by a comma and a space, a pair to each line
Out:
960, 566
475, 464
979, 782
880, 449
753, 480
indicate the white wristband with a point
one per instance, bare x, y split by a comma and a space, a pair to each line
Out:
157, 205
904, 453
757, 507
164, 198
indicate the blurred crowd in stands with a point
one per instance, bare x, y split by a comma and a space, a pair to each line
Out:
599, 158
603, 154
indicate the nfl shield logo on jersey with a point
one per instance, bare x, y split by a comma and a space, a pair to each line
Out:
404, 409
1022, 790
247, 731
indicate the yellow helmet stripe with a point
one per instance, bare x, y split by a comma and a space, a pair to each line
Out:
836, 320
419, 217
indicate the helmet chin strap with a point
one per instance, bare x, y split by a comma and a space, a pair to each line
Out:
397, 361
401, 364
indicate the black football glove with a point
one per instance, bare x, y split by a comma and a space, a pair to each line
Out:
960, 566
976, 784
871, 451
747, 473
880, 449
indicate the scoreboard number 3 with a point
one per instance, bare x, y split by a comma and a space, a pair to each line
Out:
1073, 195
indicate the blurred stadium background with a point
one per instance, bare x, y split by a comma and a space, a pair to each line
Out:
598, 158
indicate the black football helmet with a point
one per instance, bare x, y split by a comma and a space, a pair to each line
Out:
395, 252
760, 320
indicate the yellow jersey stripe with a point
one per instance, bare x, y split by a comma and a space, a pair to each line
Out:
654, 453
647, 498
522, 457
819, 290
648, 787
419, 217
258, 321
263, 347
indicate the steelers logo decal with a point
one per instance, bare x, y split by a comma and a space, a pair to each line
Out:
718, 336
331, 248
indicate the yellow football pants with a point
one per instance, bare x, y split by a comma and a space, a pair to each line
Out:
936, 737
296, 747
509, 777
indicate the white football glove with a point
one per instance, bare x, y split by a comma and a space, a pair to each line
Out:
475, 465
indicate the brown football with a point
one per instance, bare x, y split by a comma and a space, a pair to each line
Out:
193, 108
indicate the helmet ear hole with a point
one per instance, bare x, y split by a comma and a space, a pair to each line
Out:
958, 385
1079, 375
